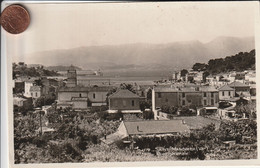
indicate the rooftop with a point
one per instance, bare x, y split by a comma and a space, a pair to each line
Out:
124, 93
226, 88
85, 89
186, 89
35, 88
238, 84
155, 127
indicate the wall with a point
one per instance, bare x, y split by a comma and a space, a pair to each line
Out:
192, 98
166, 98
99, 96
36, 94
66, 96
80, 105
226, 95
118, 104
27, 86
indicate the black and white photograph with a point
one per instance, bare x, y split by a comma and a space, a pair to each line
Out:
133, 82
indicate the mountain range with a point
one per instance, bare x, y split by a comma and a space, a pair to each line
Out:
140, 57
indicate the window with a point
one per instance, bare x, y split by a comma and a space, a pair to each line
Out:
31, 94
223, 93
166, 100
183, 102
212, 102
159, 95
133, 103
94, 95
212, 94
205, 102
205, 94
124, 103
35, 94
80, 95
116, 103
228, 93
183, 94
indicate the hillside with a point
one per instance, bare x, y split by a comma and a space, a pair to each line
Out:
238, 62
60, 68
130, 58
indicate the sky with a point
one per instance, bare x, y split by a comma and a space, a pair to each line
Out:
65, 26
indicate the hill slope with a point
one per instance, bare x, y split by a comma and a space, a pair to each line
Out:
145, 57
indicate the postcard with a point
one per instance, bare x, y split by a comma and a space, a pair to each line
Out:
113, 84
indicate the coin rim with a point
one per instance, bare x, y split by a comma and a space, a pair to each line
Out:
26, 11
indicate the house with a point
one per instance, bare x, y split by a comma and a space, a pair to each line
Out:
231, 77
185, 96
198, 77
35, 91
250, 76
239, 87
26, 103
27, 87
96, 96
226, 92
128, 130
125, 101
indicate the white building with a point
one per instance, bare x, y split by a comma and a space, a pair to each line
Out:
27, 87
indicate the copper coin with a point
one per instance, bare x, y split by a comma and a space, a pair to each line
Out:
15, 19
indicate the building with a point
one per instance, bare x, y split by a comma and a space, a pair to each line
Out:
79, 103
71, 77
239, 87
26, 103
125, 101
226, 93
198, 77
128, 130
94, 96
35, 91
198, 96
27, 87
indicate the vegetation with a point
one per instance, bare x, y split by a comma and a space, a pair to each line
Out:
23, 70
238, 62
184, 72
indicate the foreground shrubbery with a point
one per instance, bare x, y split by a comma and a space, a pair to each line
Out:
77, 139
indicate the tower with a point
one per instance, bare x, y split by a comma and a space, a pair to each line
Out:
71, 77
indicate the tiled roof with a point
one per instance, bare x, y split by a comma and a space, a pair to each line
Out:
124, 93
238, 84
35, 88
187, 89
208, 89
155, 127
226, 88
85, 89
164, 89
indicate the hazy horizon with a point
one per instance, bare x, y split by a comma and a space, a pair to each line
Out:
67, 26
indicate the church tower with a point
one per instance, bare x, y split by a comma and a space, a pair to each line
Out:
71, 77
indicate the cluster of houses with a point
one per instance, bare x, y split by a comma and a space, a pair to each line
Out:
186, 91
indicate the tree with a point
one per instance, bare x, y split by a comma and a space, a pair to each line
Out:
128, 87
199, 67
184, 72
205, 75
